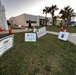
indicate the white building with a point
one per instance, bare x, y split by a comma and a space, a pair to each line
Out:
24, 18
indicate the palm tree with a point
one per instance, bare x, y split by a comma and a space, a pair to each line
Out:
67, 13
52, 10
45, 11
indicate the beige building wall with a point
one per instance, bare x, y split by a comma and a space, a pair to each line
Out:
24, 18
20, 20
12, 21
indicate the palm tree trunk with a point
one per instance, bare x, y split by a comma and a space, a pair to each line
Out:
52, 20
69, 19
45, 19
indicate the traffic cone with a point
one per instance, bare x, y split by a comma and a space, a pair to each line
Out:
0, 29
9, 30
62, 29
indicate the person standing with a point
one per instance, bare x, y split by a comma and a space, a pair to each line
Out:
9, 28
8, 23
29, 25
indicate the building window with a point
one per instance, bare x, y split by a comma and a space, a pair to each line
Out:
31, 21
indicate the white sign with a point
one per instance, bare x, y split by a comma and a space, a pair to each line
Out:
30, 37
6, 43
41, 32
63, 35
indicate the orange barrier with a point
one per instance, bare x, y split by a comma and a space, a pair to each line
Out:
9, 30
0, 29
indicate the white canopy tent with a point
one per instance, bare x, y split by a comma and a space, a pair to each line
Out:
3, 21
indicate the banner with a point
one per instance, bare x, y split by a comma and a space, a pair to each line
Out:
30, 37
6, 43
63, 35
41, 32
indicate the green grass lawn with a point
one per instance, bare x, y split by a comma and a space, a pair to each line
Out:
71, 29
47, 56
14, 27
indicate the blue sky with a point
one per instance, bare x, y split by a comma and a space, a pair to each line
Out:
34, 7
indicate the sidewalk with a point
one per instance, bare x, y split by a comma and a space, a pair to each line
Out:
16, 31
51, 32
71, 37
